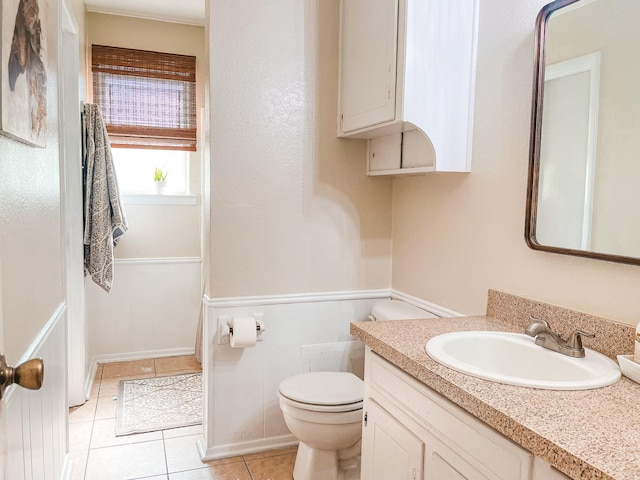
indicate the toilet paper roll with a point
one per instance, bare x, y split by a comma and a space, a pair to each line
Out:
244, 332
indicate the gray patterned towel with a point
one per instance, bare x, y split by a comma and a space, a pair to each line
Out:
104, 217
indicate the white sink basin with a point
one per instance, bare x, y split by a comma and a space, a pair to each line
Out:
515, 359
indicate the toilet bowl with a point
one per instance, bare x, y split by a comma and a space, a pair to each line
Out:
323, 410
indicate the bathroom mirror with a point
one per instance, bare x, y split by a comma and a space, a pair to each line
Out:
583, 196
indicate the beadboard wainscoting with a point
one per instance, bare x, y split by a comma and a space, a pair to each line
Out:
35, 446
242, 413
152, 310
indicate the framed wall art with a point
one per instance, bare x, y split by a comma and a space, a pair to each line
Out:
23, 72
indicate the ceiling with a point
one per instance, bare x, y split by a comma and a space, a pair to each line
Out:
180, 11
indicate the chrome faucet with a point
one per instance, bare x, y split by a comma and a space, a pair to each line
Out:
547, 338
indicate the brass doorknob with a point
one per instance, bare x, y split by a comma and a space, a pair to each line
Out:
28, 374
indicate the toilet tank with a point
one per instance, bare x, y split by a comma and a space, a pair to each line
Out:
397, 310
386, 310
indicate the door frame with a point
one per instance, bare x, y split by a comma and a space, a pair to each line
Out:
72, 203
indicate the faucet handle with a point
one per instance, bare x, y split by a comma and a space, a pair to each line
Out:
574, 341
539, 320
536, 327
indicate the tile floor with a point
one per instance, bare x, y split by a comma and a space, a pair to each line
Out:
165, 455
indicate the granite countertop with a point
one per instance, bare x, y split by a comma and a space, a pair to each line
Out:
587, 434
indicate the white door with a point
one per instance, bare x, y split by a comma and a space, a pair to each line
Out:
33, 311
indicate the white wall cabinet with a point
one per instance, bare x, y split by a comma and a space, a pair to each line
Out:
408, 66
411, 432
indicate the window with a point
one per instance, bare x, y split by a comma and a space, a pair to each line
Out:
135, 168
148, 102
148, 99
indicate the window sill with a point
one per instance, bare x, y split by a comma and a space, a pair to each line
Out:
160, 199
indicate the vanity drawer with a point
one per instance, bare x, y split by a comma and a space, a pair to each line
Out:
459, 431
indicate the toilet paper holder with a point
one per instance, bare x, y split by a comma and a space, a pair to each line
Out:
225, 329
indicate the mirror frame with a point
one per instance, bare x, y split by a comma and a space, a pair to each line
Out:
535, 141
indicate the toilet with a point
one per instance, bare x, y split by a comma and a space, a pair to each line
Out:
323, 410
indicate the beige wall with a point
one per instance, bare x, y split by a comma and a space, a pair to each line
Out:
161, 231
291, 208
30, 218
455, 236
158, 231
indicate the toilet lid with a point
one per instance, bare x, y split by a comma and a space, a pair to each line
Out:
323, 388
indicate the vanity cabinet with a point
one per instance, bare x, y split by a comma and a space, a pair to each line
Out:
411, 432
407, 72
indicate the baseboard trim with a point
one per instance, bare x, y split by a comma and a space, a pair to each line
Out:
425, 305
245, 448
125, 357
91, 377
226, 302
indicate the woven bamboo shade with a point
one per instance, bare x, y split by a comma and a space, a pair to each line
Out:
148, 99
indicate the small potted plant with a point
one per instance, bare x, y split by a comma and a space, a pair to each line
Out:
160, 179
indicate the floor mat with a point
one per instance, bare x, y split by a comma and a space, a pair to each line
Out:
160, 403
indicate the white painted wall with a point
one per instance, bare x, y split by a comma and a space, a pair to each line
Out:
152, 310
242, 408
456, 236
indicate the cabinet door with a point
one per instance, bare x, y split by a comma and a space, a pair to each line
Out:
543, 471
442, 463
398, 153
368, 62
385, 153
389, 449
